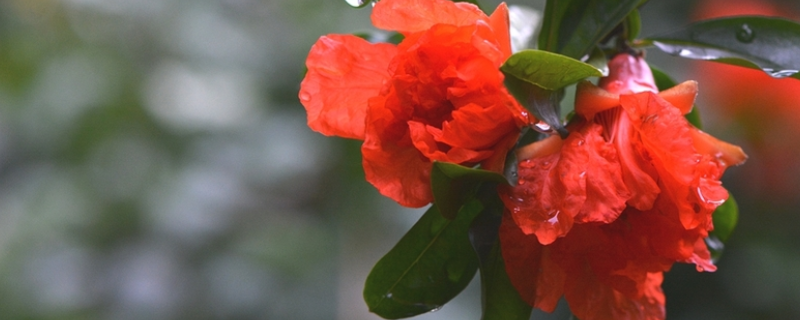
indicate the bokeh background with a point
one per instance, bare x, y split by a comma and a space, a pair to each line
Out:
155, 164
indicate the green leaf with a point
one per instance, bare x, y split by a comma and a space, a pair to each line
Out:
725, 218
598, 60
574, 27
548, 70
664, 82
501, 301
544, 104
536, 79
633, 25
499, 298
453, 185
430, 265
769, 44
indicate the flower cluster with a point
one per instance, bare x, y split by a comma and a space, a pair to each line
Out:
599, 216
596, 216
436, 96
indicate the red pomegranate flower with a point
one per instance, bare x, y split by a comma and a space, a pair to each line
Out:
597, 217
437, 96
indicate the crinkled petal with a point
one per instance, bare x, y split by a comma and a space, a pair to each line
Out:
539, 203
606, 193
478, 127
664, 134
637, 173
428, 140
538, 279
409, 16
398, 173
391, 163
344, 71
591, 300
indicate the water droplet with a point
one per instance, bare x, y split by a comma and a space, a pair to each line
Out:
305, 97
543, 127
358, 3
437, 308
715, 246
554, 217
581, 142
780, 73
705, 199
745, 34
582, 174
714, 243
691, 52
388, 295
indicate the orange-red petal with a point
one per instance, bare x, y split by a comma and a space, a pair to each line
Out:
397, 172
725, 153
606, 193
500, 25
591, 100
344, 71
409, 16
681, 96
538, 280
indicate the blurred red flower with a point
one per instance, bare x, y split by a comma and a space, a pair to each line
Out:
600, 215
437, 96
766, 108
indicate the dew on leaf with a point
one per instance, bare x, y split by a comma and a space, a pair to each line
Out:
745, 34
780, 73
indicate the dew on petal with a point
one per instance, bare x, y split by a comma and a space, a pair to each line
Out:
708, 200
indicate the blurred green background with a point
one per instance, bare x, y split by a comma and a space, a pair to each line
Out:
155, 164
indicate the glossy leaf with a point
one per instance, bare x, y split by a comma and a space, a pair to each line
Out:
664, 82
543, 103
547, 70
430, 265
453, 185
536, 79
769, 44
633, 25
500, 300
725, 218
574, 27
